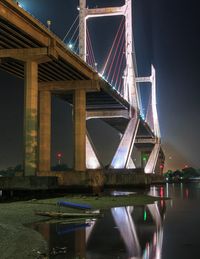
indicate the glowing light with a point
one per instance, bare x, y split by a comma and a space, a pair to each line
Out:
92, 163
145, 215
144, 158
59, 155
70, 45
161, 192
102, 76
19, 4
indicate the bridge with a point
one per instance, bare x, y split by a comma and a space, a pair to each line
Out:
31, 51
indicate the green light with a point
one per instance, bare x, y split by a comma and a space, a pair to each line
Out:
145, 215
144, 157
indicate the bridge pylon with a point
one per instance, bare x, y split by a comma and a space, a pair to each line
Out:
152, 160
129, 87
122, 157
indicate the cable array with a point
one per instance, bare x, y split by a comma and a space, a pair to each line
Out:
90, 58
114, 65
72, 35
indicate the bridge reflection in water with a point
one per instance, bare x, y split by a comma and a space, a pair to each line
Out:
124, 232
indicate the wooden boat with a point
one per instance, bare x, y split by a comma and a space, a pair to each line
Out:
54, 214
74, 205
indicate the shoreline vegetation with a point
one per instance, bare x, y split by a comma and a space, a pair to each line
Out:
19, 240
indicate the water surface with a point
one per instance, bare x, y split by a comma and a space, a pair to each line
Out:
167, 230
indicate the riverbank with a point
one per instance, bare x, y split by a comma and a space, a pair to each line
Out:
17, 240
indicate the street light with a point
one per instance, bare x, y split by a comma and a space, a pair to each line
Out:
59, 157
49, 24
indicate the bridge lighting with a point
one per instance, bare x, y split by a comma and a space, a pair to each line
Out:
78, 8
19, 4
144, 158
70, 45
161, 166
59, 157
49, 24
92, 163
145, 215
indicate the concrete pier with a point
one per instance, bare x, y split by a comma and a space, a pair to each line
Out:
44, 131
30, 117
80, 130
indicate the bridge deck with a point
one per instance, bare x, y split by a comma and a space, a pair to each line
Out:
20, 30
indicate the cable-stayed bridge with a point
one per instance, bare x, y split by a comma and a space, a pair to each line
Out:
29, 50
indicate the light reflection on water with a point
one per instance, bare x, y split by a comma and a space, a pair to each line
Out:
123, 233
163, 230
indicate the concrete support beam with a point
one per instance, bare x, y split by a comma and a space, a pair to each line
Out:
145, 140
124, 150
107, 11
69, 85
41, 55
23, 53
30, 118
131, 164
108, 114
80, 130
151, 163
92, 161
44, 131
82, 30
9, 13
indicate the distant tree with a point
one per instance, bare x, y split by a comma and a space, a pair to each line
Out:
11, 170
189, 172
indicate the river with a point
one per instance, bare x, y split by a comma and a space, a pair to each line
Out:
167, 229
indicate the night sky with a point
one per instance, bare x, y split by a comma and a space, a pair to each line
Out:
166, 34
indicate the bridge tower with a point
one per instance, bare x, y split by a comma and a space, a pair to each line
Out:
130, 89
122, 156
151, 163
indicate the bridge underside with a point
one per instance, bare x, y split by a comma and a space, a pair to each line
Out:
30, 51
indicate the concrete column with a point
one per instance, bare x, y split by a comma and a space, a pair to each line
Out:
30, 117
80, 130
82, 29
45, 131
